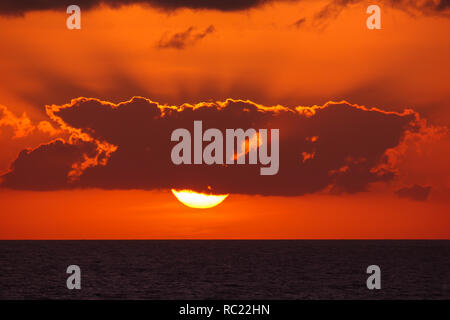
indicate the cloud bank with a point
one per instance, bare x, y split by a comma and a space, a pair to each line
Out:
337, 147
330, 10
20, 7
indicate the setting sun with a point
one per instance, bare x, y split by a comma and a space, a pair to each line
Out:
197, 200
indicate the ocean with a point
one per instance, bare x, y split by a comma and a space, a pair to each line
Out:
225, 269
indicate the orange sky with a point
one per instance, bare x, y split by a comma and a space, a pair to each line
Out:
254, 54
96, 214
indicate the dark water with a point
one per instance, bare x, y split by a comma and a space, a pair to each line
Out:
225, 269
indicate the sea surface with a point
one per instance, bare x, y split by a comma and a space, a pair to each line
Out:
225, 269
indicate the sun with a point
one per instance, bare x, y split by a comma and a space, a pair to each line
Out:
198, 200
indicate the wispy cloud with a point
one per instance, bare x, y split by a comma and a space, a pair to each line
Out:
181, 40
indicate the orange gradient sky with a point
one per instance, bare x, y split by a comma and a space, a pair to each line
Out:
256, 54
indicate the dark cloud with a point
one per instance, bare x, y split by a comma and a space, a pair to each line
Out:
338, 146
181, 40
20, 7
427, 7
334, 8
331, 10
48, 166
415, 192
